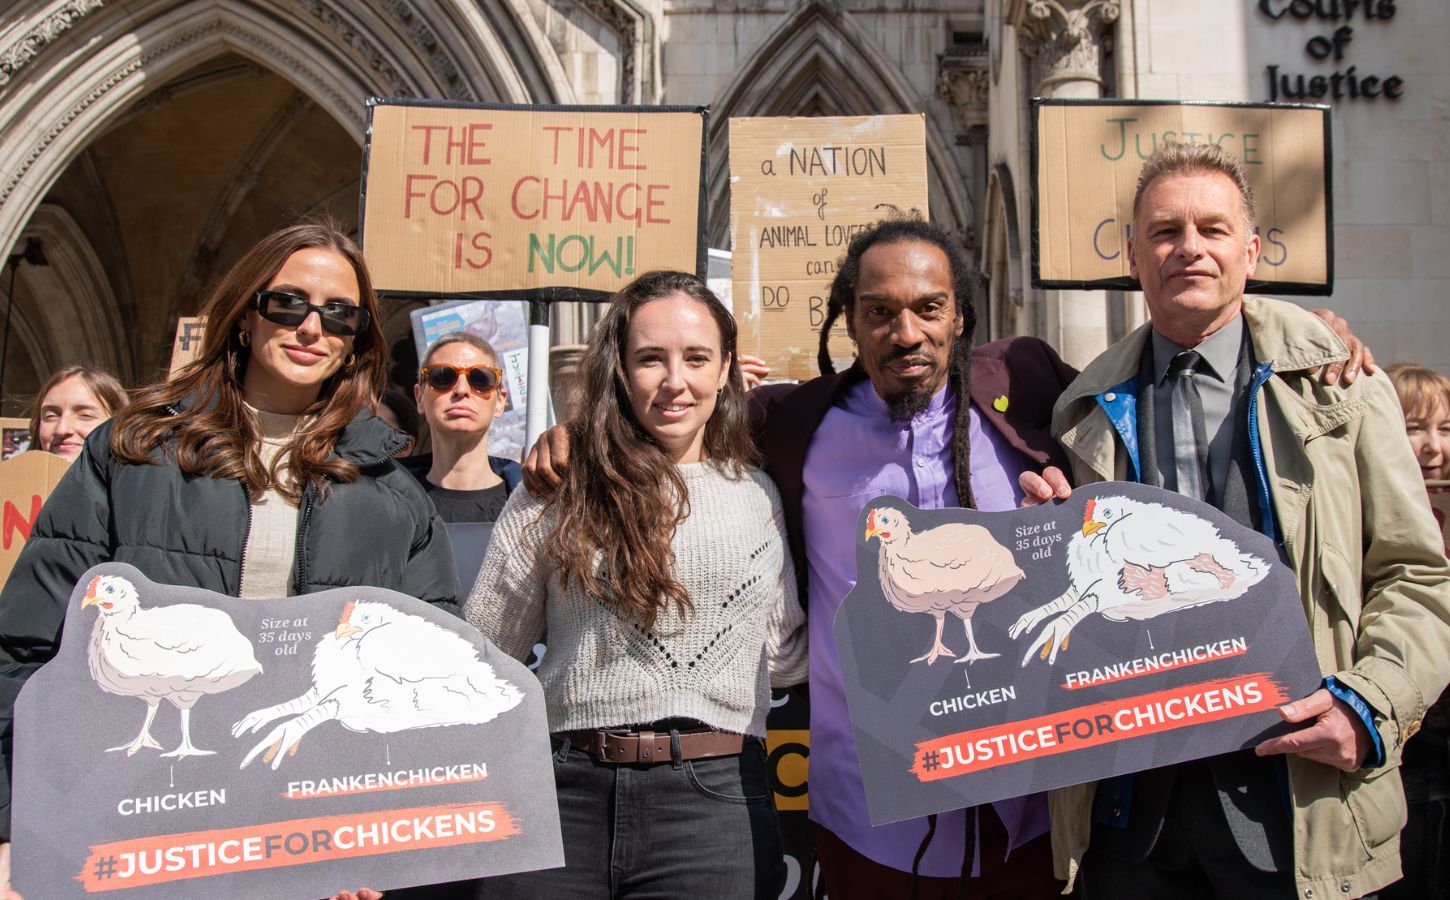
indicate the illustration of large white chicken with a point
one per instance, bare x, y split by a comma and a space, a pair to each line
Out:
953, 568
383, 670
1137, 560
178, 653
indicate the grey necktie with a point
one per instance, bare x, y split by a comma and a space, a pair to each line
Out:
1190, 445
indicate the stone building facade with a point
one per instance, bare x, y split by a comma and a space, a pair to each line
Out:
146, 143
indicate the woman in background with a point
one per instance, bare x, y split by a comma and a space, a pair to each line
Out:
257, 471
660, 569
1425, 762
460, 392
69, 406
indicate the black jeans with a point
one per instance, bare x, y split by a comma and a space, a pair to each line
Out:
695, 829
1195, 857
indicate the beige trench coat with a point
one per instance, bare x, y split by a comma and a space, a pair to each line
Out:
1369, 562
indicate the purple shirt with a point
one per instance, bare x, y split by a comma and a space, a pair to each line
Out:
857, 454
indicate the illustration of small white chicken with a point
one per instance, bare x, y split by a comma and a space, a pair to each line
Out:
1137, 560
953, 568
383, 670
178, 653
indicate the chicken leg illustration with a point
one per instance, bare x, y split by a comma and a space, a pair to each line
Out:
144, 739
1073, 606
1134, 560
331, 666
178, 653
383, 671
953, 568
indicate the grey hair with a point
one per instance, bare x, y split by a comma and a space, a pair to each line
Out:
1174, 158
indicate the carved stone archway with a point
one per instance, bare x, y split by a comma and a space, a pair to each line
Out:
65, 311
76, 65
819, 62
71, 71
1002, 258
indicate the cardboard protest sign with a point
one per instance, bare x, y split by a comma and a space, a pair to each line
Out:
25, 481
1086, 156
993, 655
505, 325
14, 437
289, 747
190, 332
490, 198
800, 189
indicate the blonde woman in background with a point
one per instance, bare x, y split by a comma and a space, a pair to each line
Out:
1425, 763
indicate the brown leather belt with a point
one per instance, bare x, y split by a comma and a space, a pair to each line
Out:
650, 747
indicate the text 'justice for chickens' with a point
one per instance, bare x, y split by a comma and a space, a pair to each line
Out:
1098, 723
176, 857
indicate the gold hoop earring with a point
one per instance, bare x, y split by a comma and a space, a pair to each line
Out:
244, 338
350, 361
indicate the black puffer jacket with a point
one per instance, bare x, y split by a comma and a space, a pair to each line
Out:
378, 530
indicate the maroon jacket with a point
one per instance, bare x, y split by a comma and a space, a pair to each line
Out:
1027, 371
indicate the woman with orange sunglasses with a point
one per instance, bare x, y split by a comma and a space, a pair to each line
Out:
460, 391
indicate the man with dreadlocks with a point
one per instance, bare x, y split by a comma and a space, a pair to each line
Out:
921, 415
925, 416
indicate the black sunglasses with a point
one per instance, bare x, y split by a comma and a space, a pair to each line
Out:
337, 317
481, 379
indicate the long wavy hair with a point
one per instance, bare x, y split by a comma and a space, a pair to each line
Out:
215, 435
622, 497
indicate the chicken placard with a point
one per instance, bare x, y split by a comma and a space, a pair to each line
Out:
352, 736
178, 653
1120, 630
383, 670
1135, 560
952, 568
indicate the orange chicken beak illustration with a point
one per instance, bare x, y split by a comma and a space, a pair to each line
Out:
872, 529
91, 599
1089, 526
344, 627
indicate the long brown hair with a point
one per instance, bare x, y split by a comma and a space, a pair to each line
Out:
215, 435
104, 386
622, 497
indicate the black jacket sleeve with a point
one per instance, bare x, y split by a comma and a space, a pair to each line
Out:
71, 534
431, 574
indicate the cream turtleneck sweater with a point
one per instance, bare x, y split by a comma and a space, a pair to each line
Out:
270, 554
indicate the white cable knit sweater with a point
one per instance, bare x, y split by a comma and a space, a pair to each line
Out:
603, 668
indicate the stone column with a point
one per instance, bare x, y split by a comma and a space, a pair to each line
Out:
1063, 38
964, 81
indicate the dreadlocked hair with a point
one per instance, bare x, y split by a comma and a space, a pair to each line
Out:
913, 229
622, 496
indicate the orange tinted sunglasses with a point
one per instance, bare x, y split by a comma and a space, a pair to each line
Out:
482, 380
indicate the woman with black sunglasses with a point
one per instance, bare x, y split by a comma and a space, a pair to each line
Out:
460, 392
257, 471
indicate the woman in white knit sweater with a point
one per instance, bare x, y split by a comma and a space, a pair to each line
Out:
660, 570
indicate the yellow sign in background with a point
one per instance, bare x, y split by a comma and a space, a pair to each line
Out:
800, 189
463, 199
1089, 156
